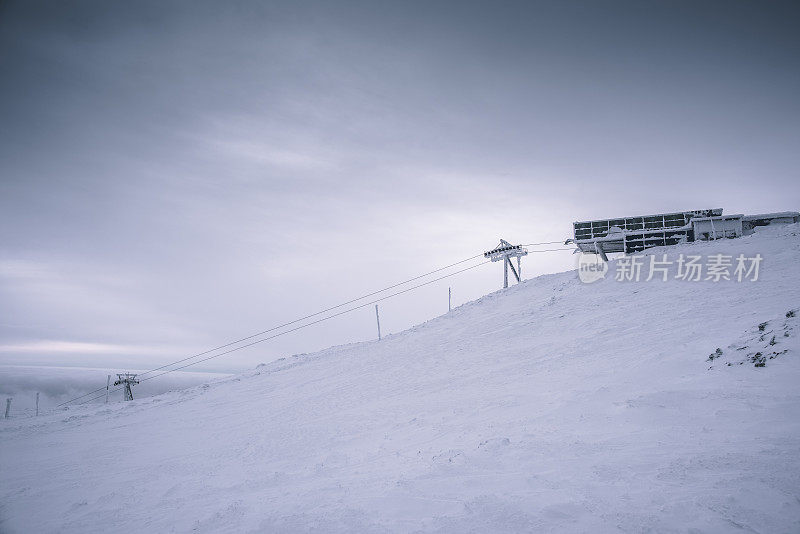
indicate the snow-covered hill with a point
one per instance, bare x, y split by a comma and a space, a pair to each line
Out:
551, 406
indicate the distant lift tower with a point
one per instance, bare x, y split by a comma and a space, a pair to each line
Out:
126, 379
504, 252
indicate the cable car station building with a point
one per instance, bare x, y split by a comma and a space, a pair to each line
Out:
634, 234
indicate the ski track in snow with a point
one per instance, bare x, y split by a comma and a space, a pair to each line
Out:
552, 406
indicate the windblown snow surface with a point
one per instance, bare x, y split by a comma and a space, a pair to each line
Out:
552, 406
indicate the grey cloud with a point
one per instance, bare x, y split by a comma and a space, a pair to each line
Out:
185, 173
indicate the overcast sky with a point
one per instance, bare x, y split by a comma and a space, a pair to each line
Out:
175, 175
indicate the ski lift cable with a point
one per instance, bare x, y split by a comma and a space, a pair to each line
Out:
300, 327
240, 340
286, 324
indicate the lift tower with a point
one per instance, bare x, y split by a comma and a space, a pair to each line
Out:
504, 252
127, 380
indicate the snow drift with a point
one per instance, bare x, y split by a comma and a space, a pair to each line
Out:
550, 406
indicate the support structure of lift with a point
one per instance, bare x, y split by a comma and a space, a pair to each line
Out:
127, 380
504, 252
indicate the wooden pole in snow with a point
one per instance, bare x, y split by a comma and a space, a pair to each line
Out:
449, 299
378, 318
37, 404
108, 384
8, 406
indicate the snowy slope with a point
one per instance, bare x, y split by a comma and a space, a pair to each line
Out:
551, 406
